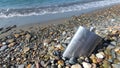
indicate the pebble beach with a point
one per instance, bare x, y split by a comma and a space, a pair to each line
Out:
42, 46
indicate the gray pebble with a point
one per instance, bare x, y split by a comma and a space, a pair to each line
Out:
3, 48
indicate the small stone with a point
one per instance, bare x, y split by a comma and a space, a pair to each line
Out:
37, 64
33, 66
86, 65
76, 66
0, 45
106, 64
93, 58
3, 43
21, 66
94, 65
10, 40
67, 67
52, 66
26, 49
46, 42
110, 47
11, 44
113, 54
3, 48
28, 36
64, 33
116, 65
73, 60
59, 66
42, 63
61, 62
17, 35
59, 46
117, 49
28, 66
113, 43
100, 55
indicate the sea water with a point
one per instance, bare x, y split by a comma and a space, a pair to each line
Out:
25, 10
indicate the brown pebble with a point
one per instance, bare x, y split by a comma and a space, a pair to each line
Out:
28, 66
11, 44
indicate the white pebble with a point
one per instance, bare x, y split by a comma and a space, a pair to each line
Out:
76, 66
86, 65
100, 55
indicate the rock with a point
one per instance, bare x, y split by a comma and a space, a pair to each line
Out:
25, 49
94, 65
37, 64
73, 60
116, 65
76, 66
93, 58
0, 45
17, 35
46, 42
100, 55
61, 62
86, 65
59, 46
10, 40
21, 66
11, 44
42, 63
33, 66
113, 54
28, 36
106, 64
110, 47
53, 66
64, 33
56, 53
28, 66
117, 49
113, 43
59, 66
3, 48
3, 43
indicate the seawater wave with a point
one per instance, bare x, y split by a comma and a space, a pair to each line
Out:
6, 13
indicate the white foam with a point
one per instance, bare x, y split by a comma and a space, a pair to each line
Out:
77, 7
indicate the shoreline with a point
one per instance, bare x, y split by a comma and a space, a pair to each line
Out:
45, 19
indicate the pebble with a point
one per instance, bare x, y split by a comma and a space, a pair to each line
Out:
21, 66
3, 43
10, 40
93, 58
100, 55
3, 48
106, 64
86, 65
46, 42
76, 66
26, 49
113, 43
11, 44
28, 66
61, 62
116, 65
17, 35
